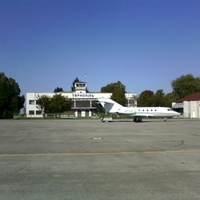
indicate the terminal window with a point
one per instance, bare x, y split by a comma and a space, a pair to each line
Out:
31, 102
31, 112
82, 104
80, 85
38, 112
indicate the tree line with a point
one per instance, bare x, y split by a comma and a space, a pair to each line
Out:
11, 102
181, 87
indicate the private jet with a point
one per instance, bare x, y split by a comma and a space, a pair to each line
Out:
137, 113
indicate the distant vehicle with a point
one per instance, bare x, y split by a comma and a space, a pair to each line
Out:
106, 119
138, 113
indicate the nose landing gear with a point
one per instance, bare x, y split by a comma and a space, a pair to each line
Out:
137, 119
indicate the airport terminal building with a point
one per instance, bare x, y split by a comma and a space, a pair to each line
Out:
84, 104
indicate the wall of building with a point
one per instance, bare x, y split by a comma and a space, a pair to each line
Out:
191, 109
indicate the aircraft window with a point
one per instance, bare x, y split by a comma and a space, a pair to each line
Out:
155, 110
147, 110
143, 110
169, 109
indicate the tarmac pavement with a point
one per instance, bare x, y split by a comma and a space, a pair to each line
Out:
88, 159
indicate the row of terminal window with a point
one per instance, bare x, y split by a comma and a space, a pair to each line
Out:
32, 112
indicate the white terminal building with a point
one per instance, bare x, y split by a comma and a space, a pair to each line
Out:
84, 104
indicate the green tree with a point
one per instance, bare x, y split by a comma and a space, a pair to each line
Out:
58, 89
10, 101
185, 85
44, 102
169, 98
118, 91
59, 104
159, 98
56, 104
146, 98
149, 98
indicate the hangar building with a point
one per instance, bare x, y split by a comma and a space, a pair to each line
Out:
189, 106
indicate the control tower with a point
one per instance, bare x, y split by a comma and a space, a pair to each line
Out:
80, 87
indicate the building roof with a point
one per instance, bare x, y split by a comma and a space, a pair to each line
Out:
192, 97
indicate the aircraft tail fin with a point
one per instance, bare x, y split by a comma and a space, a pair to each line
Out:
109, 105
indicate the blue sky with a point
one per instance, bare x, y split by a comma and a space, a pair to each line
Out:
145, 44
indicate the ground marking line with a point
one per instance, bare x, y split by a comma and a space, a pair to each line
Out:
100, 153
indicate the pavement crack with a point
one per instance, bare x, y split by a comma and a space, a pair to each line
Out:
181, 143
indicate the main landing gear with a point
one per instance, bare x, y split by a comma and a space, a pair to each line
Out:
137, 119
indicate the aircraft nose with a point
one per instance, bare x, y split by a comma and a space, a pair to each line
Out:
177, 113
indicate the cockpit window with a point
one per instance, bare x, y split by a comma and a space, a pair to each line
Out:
169, 109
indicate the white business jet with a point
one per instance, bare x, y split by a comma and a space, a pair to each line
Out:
138, 113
